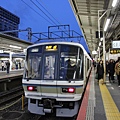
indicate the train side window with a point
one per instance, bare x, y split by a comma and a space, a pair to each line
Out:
79, 68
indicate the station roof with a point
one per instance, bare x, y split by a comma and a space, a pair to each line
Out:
86, 13
13, 44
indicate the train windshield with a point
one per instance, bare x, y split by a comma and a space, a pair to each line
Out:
51, 62
71, 58
49, 67
33, 63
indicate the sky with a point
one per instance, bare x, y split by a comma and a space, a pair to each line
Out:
39, 14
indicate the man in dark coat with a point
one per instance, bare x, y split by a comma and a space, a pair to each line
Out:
117, 70
8, 66
111, 70
100, 70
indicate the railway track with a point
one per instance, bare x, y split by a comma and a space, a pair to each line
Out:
10, 96
49, 117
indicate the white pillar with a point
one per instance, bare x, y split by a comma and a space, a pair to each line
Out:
10, 59
104, 57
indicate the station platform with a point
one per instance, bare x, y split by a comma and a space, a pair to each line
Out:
11, 80
101, 101
11, 74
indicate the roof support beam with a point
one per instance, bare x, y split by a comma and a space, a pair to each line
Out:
89, 14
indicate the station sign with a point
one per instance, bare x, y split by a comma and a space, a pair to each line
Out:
114, 51
116, 44
1, 51
94, 52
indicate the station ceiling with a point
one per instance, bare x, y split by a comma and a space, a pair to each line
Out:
13, 44
86, 13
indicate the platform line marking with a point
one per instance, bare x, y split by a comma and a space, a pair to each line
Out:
83, 108
112, 88
111, 110
91, 101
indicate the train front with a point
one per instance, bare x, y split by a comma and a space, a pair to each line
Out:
53, 79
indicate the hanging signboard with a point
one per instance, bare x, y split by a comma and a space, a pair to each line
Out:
1, 51
94, 52
116, 44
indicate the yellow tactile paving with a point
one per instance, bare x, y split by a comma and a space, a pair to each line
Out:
111, 110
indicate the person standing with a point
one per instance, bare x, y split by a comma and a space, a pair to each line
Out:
107, 64
111, 70
117, 70
19, 65
100, 70
3, 65
8, 66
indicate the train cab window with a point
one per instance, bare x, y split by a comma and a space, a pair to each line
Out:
70, 62
33, 63
49, 67
33, 66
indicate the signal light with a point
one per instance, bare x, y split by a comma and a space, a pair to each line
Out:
30, 88
71, 90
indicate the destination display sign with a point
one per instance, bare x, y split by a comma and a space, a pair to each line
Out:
51, 48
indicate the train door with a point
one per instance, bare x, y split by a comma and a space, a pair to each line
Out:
49, 73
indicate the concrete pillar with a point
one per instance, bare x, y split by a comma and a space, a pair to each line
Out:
5, 86
10, 59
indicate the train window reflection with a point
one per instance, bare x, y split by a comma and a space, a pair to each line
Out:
33, 65
70, 63
49, 67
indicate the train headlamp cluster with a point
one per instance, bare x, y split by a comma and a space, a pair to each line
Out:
31, 88
68, 90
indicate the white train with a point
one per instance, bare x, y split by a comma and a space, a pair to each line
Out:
55, 76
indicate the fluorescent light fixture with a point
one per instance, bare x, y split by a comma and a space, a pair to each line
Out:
106, 25
114, 3
101, 39
7, 51
99, 43
94, 52
98, 49
15, 46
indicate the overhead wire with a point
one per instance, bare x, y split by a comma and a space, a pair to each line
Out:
52, 22
36, 12
42, 11
47, 11
46, 14
50, 14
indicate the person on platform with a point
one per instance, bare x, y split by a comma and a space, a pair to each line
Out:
111, 70
3, 65
117, 70
8, 66
107, 64
100, 70
19, 65
94, 64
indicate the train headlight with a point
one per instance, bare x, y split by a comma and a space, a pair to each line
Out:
31, 88
68, 90
71, 90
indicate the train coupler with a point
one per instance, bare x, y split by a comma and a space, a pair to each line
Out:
48, 105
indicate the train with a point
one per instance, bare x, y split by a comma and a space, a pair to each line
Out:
55, 76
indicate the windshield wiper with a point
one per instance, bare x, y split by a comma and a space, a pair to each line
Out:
29, 78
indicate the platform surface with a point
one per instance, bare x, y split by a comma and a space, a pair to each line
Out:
13, 73
101, 101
